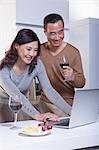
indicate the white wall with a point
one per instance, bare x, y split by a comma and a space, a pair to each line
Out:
30, 14
84, 35
81, 9
33, 11
94, 50
7, 24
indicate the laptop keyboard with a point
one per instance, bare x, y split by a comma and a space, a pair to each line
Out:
63, 122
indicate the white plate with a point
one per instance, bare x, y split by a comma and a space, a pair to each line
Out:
47, 132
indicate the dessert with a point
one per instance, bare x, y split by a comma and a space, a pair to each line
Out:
40, 128
32, 129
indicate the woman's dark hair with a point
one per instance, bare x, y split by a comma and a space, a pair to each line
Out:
52, 18
23, 36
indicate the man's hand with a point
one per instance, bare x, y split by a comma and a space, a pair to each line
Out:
68, 73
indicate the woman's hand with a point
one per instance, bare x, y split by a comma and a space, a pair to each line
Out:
44, 116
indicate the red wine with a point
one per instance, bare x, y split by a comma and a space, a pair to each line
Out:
16, 107
63, 65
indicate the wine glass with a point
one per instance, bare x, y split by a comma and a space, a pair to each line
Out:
64, 63
15, 105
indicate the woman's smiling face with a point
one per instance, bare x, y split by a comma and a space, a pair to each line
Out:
27, 52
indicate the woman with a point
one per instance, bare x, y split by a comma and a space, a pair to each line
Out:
17, 70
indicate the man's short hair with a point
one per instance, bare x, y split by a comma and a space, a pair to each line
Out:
52, 18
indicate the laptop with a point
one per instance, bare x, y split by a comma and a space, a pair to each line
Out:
84, 110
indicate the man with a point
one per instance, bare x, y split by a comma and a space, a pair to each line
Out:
55, 52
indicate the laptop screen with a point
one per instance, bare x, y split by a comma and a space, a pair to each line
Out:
84, 110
